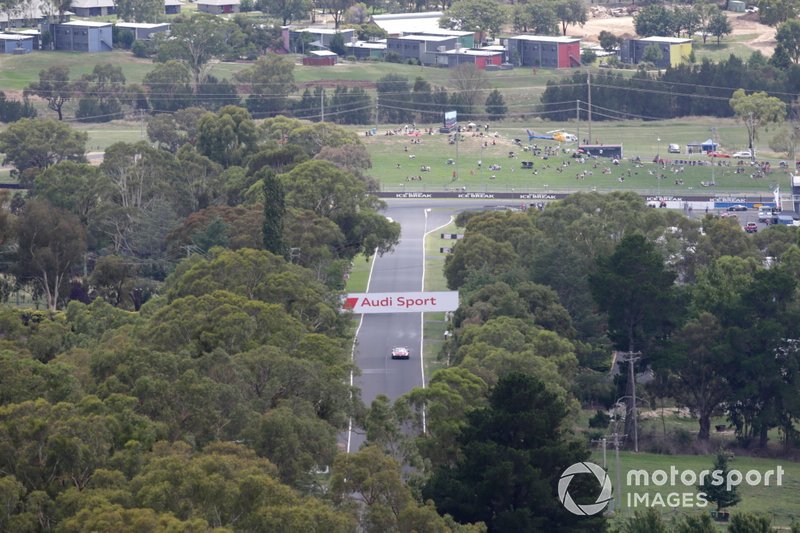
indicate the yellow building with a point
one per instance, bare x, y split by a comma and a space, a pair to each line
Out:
674, 50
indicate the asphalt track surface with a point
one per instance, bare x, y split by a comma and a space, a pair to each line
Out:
398, 271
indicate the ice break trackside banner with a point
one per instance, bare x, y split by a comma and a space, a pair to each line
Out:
400, 302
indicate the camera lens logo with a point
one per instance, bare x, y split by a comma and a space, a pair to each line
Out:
602, 499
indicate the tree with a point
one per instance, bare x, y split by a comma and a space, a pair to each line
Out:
32, 145
51, 246
195, 40
512, 454
608, 41
139, 10
102, 94
168, 86
653, 20
269, 80
287, 10
695, 361
54, 87
752, 523
537, 17
227, 137
337, 44
652, 54
274, 212
482, 16
705, 12
337, 8
718, 492
649, 521
571, 13
637, 292
394, 98
470, 83
496, 105
775, 12
788, 37
13, 110
755, 111
76, 187
719, 25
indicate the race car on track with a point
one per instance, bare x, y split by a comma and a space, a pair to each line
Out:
400, 352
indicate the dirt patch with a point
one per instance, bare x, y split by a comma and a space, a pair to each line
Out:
742, 23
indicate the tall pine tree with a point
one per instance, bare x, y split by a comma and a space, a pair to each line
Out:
274, 212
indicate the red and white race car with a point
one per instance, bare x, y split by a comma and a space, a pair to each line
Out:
400, 352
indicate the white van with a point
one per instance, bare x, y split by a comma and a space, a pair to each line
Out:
674, 149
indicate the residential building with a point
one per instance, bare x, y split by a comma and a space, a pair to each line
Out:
544, 51
466, 39
366, 49
172, 7
320, 58
93, 8
15, 44
422, 48
478, 57
141, 30
398, 24
674, 50
218, 7
299, 40
81, 36
35, 35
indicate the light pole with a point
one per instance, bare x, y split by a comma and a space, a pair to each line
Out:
658, 157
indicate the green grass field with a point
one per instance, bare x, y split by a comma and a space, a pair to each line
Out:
393, 162
779, 502
435, 324
359, 274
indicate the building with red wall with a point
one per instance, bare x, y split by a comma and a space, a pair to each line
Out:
544, 51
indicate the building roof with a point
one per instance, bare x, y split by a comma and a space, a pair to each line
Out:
172, 2
30, 32
141, 25
322, 53
670, 40
88, 4
546, 38
13, 37
399, 23
217, 2
85, 24
473, 52
323, 31
426, 38
373, 45
442, 31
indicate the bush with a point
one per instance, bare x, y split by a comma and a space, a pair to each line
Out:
392, 57
600, 420
588, 57
123, 38
13, 110
141, 49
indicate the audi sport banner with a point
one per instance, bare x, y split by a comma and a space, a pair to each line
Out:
400, 302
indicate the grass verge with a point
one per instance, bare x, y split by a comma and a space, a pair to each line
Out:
779, 502
435, 323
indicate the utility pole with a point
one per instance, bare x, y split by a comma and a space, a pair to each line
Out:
602, 441
631, 358
589, 84
617, 501
322, 104
578, 121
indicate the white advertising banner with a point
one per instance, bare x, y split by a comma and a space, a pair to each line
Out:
400, 302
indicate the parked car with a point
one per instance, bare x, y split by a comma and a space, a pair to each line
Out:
744, 154
718, 154
674, 149
751, 9
751, 227
737, 207
765, 216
